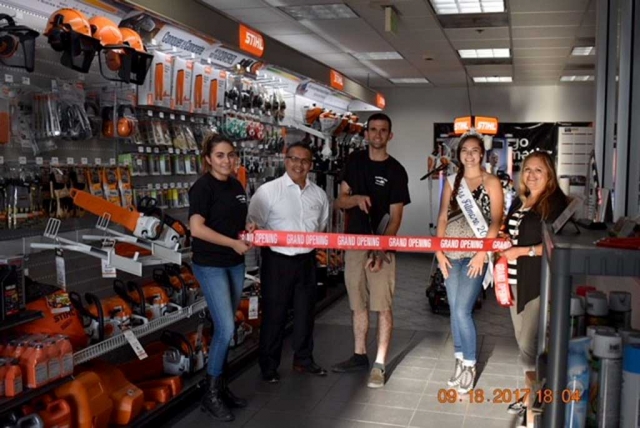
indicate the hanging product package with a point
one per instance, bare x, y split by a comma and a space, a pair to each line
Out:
74, 120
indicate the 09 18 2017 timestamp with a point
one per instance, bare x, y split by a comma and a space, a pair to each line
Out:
507, 395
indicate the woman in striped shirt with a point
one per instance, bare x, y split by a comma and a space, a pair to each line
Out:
541, 200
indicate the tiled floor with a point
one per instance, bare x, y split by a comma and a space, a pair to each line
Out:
420, 363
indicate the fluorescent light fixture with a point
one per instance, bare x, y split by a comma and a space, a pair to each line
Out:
493, 79
320, 11
484, 53
451, 7
409, 80
377, 56
577, 78
583, 51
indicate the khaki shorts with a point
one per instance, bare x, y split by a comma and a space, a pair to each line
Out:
368, 290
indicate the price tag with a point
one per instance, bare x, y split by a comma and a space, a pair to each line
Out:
26, 80
161, 115
84, 161
8, 78
148, 149
158, 187
197, 152
140, 149
182, 117
135, 344
112, 161
149, 186
126, 162
2, 163
55, 161
177, 151
172, 185
81, 77
179, 185
172, 116
61, 276
107, 271
139, 162
156, 150
54, 85
71, 161
165, 186
22, 160
171, 150
253, 307
149, 113
39, 161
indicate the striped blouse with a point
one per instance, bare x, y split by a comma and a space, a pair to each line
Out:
513, 228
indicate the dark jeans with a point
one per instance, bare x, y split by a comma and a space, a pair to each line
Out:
287, 280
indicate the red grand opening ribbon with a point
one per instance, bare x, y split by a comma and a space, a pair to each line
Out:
501, 283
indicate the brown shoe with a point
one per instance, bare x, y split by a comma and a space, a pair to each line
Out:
376, 378
312, 368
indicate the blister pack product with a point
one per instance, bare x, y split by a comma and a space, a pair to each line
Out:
157, 90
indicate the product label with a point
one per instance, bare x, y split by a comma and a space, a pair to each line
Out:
135, 344
61, 275
17, 385
107, 271
42, 373
67, 364
54, 369
253, 307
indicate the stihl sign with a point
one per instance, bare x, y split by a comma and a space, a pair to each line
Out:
251, 41
337, 81
380, 101
484, 125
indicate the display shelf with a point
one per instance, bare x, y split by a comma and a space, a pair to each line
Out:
19, 319
34, 230
564, 256
106, 346
7, 404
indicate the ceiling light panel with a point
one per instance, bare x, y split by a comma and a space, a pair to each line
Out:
409, 80
577, 78
583, 51
377, 56
452, 7
484, 53
493, 79
320, 11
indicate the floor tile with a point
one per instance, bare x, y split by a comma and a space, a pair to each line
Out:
435, 419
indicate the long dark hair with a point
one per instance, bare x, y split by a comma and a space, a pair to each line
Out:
453, 202
209, 145
543, 204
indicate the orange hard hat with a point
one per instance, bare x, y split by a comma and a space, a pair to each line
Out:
70, 19
105, 30
133, 39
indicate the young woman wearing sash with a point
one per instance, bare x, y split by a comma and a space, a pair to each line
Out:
471, 207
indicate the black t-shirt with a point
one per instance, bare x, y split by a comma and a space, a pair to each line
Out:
386, 183
223, 204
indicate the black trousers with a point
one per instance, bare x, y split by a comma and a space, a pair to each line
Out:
287, 281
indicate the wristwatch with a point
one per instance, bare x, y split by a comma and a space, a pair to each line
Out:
532, 251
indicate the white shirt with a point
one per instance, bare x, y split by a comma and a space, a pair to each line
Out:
282, 205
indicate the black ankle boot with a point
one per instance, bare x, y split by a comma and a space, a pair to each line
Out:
229, 397
212, 401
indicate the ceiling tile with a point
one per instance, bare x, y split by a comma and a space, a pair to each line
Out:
548, 18
338, 60
547, 5
544, 32
543, 43
481, 44
541, 53
521, 62
357, 36
399, 68
459, 34
379, 82
358, 72
448, 78
281, 28
234, 4
280, 3
489, 70
258, 15
308, 44
420, 23
417, 45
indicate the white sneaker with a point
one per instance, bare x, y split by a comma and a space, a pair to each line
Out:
457, 371
467, 379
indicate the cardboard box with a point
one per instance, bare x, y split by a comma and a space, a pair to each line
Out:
182, 72
157, 89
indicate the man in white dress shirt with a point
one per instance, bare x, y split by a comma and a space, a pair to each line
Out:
289, 203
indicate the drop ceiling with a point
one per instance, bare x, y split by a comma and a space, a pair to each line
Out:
540, 34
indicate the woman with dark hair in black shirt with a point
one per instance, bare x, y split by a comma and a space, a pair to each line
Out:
217, 214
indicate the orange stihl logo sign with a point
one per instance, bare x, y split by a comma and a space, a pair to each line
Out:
251, 41
380, 101
487, 125
462, 125
337, 81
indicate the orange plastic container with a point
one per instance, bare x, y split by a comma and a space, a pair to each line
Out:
3, 375
66, 354
159, 394
56, 414
35, 365
53, 354
174, 383
13, 383
89, 402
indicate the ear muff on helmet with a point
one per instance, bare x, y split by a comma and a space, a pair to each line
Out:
12, 36
108, 34
126, 125
68, 31
8, 42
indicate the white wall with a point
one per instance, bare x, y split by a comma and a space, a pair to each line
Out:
414, 111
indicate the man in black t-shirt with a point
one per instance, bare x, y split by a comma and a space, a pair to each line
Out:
374, 188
